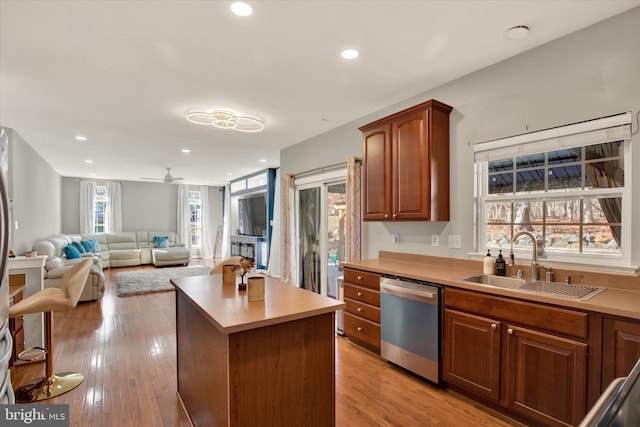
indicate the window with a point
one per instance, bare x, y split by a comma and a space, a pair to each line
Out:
100, 209
564, 185
195, 222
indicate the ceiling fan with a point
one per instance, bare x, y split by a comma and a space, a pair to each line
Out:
168, 178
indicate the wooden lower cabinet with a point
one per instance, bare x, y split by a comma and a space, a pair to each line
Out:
473, 355
546, 376
533, 373
621, 348
362, 312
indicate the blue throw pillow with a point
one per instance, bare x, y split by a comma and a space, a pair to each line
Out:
79, 247
161, 241
89, 245
71, 252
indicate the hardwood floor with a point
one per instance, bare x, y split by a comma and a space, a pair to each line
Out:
126, 349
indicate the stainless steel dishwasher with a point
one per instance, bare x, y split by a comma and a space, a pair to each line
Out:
410, 325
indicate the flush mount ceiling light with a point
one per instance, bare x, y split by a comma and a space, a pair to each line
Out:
241, 8
517, 33
81, 138
350, 54
225, 119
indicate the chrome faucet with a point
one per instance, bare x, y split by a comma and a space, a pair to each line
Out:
534, 259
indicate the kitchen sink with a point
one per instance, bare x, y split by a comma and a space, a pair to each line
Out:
562, 290
499, 281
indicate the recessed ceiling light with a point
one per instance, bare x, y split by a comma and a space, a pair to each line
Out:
229, 174
262, 160
185, 150
517, 33
241, 8
88, 161
81, 138
350, 54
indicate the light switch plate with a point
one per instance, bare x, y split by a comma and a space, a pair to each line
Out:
455, 241
435, 240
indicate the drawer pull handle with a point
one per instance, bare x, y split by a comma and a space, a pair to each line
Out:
359, 328
510, 331
359, 309
494, 326
359, 294
360, 277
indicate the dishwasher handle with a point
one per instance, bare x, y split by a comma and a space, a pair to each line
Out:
427, 294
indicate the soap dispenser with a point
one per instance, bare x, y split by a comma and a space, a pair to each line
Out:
501, 265
488, 263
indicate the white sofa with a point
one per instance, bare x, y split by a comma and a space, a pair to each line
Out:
113, 250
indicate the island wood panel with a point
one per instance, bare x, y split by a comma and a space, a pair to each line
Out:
281, 374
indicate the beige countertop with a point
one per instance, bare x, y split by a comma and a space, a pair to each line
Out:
615, 301
230, 310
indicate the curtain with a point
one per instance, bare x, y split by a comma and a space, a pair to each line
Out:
87, 209
353, 210
226, 215
114, 208
289, 269
608, 174
275, 251
183, 216
206, 237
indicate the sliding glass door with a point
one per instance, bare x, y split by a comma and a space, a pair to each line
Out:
320, 209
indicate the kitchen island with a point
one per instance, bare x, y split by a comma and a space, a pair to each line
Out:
245, 363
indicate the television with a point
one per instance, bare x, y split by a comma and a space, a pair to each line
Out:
252, 214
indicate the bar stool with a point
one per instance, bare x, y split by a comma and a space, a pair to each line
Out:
47, 301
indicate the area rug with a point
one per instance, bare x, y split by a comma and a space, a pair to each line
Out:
147, 281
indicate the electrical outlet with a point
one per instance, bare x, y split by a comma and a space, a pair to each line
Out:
435, 240
455, 241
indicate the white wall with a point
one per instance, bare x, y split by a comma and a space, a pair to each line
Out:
592, 73
145, 206
35, 191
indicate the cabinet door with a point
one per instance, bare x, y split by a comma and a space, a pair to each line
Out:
621, 349
472, 353
546, 376
376, 174
411, 167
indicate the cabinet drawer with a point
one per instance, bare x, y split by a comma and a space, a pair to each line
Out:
554, 319
363, 310
364, 295
362, 330
362, 278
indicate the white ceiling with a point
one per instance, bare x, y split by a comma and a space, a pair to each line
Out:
125, 73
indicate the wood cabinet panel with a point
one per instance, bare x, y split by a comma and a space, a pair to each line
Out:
553, 319
546, 376
621, 348
406, 165
367, 311
362, 278
472, 359
376, 172
364, 295
362, 331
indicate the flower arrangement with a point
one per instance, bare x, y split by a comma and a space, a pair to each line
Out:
243, 266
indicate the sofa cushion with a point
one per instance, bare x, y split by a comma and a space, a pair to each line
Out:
79, 247
71, 252
54, 262
89, 245
161, 241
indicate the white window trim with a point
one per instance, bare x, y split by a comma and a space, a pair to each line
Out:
613, 128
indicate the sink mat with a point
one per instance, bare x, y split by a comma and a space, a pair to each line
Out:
564, 290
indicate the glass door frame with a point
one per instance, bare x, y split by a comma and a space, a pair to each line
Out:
321, 181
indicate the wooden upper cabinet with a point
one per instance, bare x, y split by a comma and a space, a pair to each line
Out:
376, 173
406, 165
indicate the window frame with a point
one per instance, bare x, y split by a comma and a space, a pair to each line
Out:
104, 200
543, 142
198, 223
